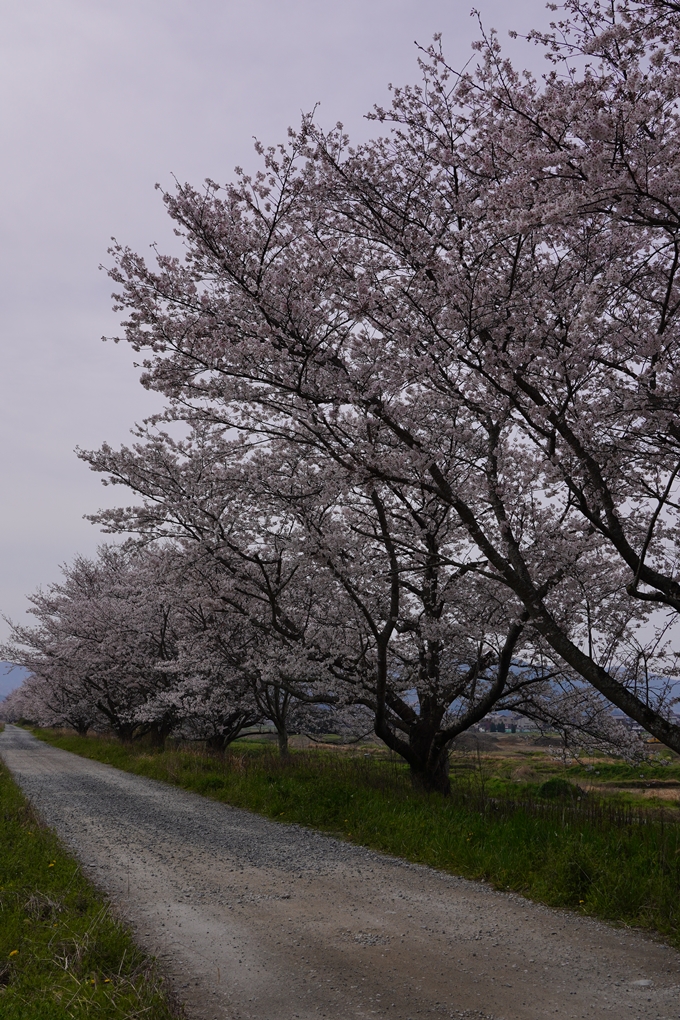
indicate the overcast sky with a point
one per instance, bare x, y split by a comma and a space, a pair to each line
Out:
99, 100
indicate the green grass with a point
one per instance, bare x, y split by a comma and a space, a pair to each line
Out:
62, 954
665, 767
599, 856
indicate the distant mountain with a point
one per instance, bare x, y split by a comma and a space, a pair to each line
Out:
11, 677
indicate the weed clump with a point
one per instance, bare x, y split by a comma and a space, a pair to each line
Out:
560, 789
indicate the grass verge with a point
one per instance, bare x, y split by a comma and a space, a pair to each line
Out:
596, 855
62, 954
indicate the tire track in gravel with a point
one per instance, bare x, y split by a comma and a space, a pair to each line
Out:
255, 920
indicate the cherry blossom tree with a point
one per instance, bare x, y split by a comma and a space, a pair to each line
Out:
541, 287
363, 593
479, 306
49, 704
127, 642
96, 634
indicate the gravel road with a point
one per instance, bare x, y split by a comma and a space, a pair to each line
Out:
254, 919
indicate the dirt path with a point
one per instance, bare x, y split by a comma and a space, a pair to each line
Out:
258, 920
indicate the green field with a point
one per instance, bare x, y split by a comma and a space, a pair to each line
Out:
595, 845
63, 956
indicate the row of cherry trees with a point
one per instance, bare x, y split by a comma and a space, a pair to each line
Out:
428, 401
178, 638
121, 643
145, 642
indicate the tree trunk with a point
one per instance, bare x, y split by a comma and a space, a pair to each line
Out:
125, 732
433, 775
217, 743
282, 734
157, 736
427, 759
230, 728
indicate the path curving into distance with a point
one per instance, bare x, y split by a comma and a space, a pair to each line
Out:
254, 920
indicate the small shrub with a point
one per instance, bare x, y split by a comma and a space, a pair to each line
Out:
560, 789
